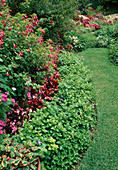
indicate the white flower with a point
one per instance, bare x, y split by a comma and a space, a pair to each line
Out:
13, 88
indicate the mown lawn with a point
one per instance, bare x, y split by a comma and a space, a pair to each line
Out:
103, 153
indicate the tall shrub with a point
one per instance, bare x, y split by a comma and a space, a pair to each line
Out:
54, 15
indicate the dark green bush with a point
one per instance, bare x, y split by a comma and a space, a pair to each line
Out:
54, 15
64, 125
113, 53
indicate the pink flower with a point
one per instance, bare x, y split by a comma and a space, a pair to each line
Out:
14, 129
1, 132
29, 94
7, 74
50, 41
1, 42
2, 123
8, 120
13, 100
2, 34
4, 97
1, 127
6, 93
51, 49
21, 53
15, 46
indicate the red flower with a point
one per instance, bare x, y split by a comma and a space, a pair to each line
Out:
15, 46
51, 22
39, 107
29, 102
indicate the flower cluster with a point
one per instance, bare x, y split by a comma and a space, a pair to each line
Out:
30, 68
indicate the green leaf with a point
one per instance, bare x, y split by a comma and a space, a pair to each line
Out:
11, 161
12, 154
18, 154
1, 60
7, 141
17, 161
33, 159
33, 167
29, 155
26, 168
25, 163
20, 146
2, 147
7, 148
4, 164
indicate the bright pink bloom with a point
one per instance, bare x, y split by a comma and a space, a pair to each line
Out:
14, 129
8, 120
2, 34
29, 94
6, 93
15, 46
13, 100
21, 53
50, 41
4, 97
1, 42
7, 74
1, 132
1, 127
2, 123
51, 49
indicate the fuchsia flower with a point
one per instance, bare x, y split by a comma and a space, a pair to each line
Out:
51, 49
2, 123
14, 128
21, 53
7, 74
15, 46
50, 41
2, 34
4, 97
1, 42
1, 132
29, 94
13, 100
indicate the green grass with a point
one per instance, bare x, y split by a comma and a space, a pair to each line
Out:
103, 152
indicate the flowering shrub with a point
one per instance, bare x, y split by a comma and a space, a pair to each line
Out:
86, 21
40, 125
29, 66
64, 125
54, 16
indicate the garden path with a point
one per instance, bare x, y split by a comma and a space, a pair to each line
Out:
103, 152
